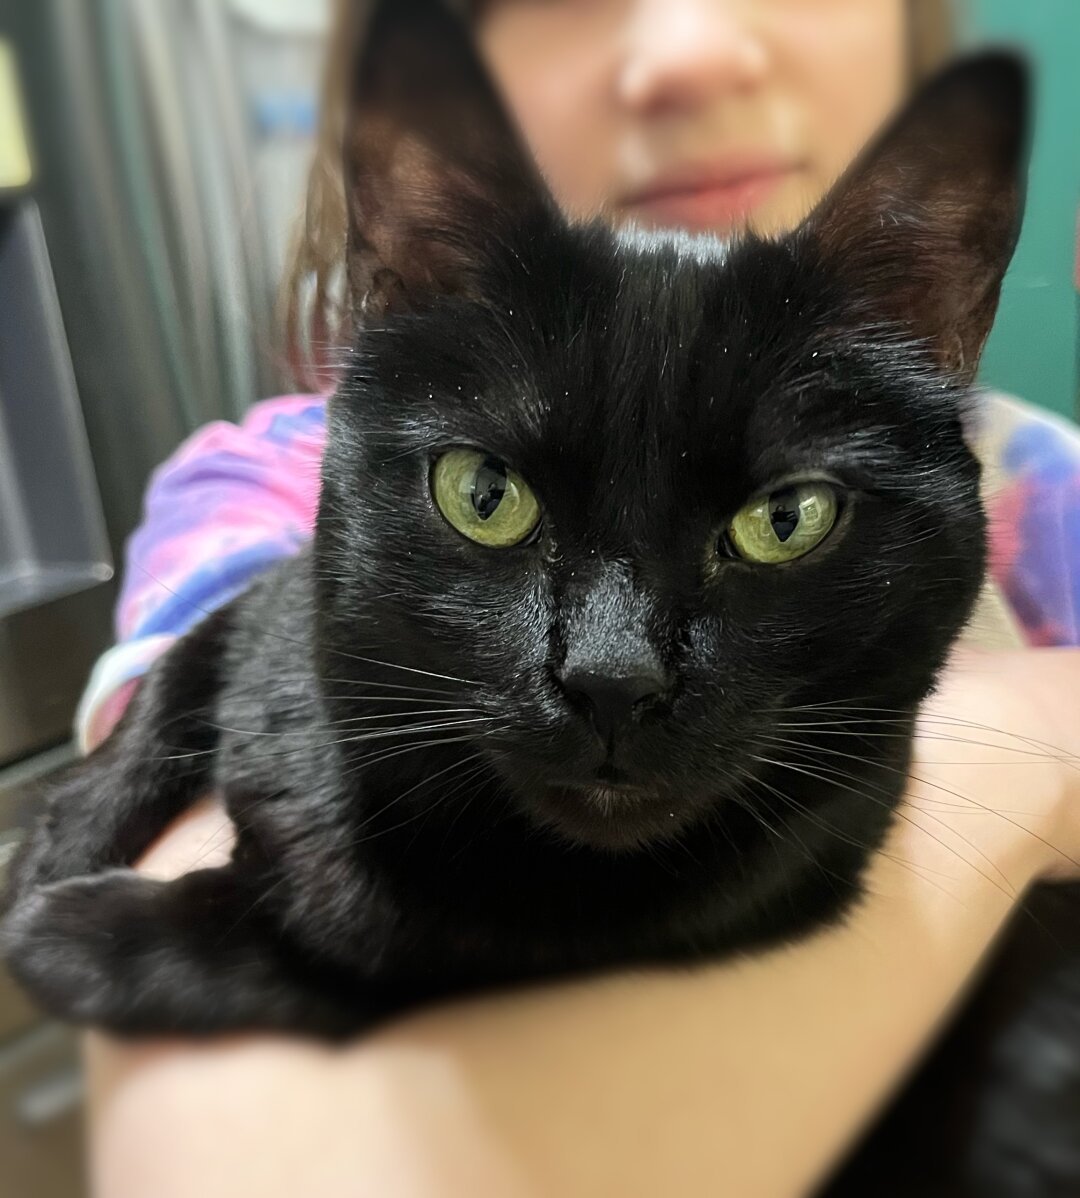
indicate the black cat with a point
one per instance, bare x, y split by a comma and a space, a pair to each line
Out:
604, 515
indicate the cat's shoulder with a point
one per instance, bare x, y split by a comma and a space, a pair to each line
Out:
272, 623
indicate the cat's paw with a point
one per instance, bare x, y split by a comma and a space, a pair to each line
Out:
66, 943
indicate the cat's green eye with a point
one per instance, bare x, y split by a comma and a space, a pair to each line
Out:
786, 524
484, 499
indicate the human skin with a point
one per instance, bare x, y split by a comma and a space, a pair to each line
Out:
747, 1077
647, 88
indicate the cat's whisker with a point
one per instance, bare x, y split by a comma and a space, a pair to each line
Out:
835, 780
200, 714
365, 683
383, 685
1053, 751
974, 806
401, 750
1033, 757
747, 803
1025, 756
456, 789
967, 801
396, 715
923, 872
845, 722
181, 756
377, 733
215, 841
848, 703
372, 661
361, 738
929, 716
818, 820
418, 695
815, 753
457, 764
390, 665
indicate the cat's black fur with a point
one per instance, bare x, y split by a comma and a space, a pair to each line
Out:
423, 806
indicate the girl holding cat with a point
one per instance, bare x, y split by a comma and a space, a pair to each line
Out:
704, 115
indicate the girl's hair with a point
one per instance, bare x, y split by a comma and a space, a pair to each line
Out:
314, 304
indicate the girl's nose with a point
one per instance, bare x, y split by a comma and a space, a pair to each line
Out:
679, 54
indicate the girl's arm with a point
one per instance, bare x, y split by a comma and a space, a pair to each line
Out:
232, 501
750, 1077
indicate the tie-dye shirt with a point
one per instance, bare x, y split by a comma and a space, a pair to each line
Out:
235, 499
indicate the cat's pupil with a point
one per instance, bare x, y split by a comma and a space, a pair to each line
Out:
784, 513
489, 487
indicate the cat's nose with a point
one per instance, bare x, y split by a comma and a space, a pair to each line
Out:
614, 702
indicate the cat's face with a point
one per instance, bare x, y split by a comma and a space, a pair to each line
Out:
645, 398
654, 500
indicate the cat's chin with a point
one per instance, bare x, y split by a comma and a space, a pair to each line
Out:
612, 818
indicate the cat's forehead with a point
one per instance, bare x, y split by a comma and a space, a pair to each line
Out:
661, 300
665, 360
664, 337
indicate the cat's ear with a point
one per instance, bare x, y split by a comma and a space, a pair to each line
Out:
435, 171
925, 222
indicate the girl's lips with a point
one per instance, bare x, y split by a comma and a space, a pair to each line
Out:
714, 203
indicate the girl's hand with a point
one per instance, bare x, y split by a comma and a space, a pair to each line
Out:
201, 838
996, 768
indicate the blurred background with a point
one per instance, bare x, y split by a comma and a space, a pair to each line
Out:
152, 164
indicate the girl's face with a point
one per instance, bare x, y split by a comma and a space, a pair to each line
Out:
697, 114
